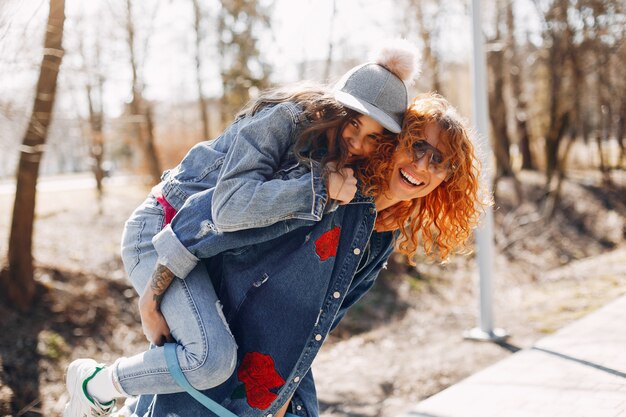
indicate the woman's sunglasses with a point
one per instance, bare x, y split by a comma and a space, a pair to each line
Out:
437, 164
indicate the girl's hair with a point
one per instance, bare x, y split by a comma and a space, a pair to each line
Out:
444, 218
324, 113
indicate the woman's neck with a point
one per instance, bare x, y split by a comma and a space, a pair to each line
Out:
383, 202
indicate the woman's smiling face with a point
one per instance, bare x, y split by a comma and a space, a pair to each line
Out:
417, 172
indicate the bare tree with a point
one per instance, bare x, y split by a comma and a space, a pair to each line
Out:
93, 90
140, 108
558, 39
581, 38
96, 123
498, 69
428, 35
603, 116
620, 90
519, 102
17, 282
199, 36
242, 68
331, 43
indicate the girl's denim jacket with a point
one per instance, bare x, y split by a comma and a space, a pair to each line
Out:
247, 167
281, 298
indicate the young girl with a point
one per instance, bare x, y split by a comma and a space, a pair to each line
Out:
283, 158
282, 297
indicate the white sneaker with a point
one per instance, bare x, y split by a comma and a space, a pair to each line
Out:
81, 404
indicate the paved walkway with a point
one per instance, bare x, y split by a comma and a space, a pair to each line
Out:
579, 371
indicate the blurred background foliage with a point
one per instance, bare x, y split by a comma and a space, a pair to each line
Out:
141, 82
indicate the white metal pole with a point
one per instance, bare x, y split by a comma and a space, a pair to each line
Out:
484, 233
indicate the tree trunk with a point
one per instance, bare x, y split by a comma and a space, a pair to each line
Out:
429, 57
204, 115
96, 148
331, 44
621, 134
148, 133
554, 136
19, 284
605, 115
497, 113
93, 93
554, 197
519, 100
498, 116
141, 111
556, 126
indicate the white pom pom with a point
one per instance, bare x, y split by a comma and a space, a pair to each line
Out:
401, 58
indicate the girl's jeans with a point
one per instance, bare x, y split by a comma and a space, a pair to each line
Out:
206, 349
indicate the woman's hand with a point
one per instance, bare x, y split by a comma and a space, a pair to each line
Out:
153, 323
342, 184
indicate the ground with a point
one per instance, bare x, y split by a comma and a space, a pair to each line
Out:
402, 343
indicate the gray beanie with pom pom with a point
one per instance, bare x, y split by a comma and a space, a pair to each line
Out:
378, 89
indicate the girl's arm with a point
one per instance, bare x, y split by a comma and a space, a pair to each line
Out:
247, 194
193, 235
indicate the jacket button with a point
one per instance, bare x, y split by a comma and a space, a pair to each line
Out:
372, 210
318, 337
336, 294
299, 408
296, 379
357, 251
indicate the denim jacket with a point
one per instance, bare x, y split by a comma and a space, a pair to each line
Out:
281, 298
247, 166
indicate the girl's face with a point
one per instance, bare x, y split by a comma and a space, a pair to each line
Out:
417, 172
361, 134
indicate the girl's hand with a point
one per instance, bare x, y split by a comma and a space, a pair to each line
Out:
153, 323
342, 184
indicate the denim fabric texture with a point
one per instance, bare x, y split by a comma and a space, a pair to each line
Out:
206, 349
243, 164
281, 298
246, 166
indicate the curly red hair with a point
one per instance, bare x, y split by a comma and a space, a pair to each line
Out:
443, 220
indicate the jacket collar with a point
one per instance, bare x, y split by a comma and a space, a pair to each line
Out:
360, 198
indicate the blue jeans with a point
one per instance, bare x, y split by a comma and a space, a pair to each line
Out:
206, 350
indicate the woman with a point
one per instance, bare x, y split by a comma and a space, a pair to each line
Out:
283, 158
282, 297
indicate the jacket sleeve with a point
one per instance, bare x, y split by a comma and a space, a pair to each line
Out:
246, 195
192, 235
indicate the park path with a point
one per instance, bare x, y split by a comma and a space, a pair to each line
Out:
579, 371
